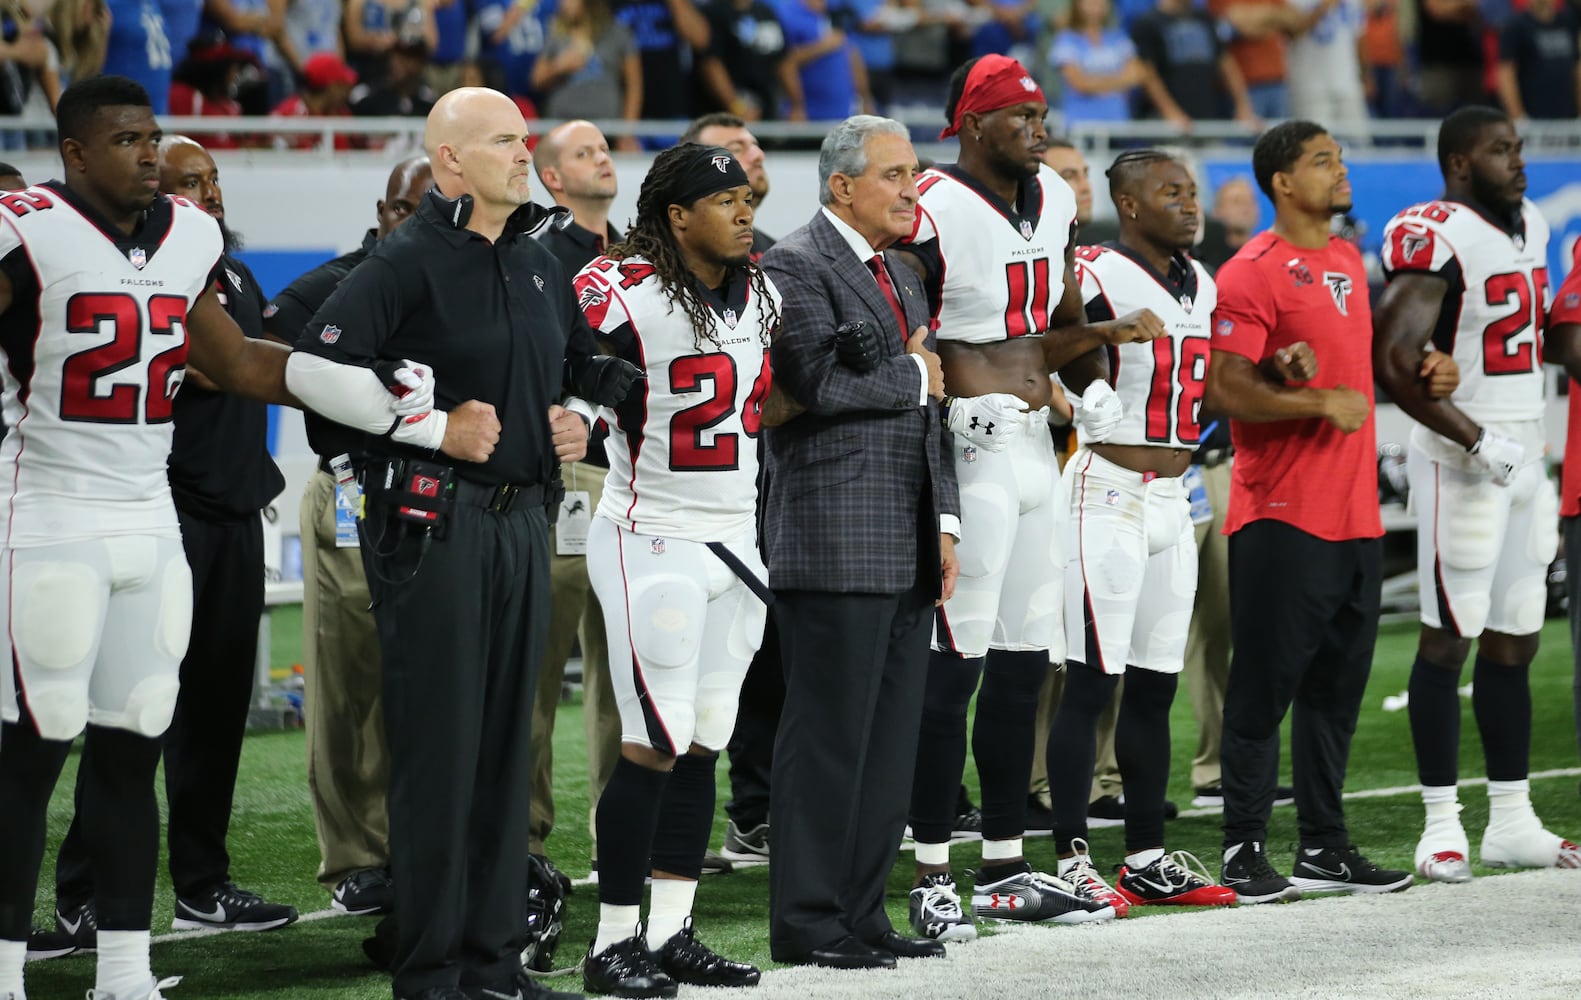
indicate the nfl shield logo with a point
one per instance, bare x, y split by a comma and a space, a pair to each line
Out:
730, 318
330, 333
1026, 229
658, 546
138, 258
1185, 303
1112, 498
969, 454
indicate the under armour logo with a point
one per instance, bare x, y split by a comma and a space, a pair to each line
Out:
1339, 286
1006, 902
978, 424
722, 163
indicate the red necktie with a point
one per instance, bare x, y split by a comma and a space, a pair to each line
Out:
876, 265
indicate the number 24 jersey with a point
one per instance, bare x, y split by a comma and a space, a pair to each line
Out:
683, 450
95, 348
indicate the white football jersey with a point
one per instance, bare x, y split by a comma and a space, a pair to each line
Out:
1002, 274
1492, 317
95, 348
683, 450
1160, 384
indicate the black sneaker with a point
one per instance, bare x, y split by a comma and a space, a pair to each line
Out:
626, 969
44, 943
1171, 811
687, 960
1105, 811
1247, 871
968, 825
716, 864
81, 922
746, 847
1284, 795
1343, 869
365, 893
532, 989
1208, 797
229, 908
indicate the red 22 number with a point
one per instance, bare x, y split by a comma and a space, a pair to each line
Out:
80, 398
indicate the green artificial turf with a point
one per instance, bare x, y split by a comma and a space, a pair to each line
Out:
275, 852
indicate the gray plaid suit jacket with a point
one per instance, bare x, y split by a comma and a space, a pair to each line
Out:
854, 485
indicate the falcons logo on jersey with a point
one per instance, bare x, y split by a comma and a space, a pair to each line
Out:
591, 296
1339, 286
1412, 244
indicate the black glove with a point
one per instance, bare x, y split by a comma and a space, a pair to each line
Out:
606, 380
856, 345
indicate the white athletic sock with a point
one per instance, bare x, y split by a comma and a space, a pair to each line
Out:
1001, 850
932, 854
615, 923
124, 970
1441, 803
12, 955
1143, 859
670, 903
1509, 800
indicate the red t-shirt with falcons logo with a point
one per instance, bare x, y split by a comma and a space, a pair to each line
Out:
1306, 473
1567, 309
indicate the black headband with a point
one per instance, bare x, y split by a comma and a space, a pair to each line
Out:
707, 170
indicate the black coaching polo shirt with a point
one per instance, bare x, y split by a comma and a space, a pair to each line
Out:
496, 322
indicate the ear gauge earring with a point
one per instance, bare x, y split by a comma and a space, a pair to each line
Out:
1133, 215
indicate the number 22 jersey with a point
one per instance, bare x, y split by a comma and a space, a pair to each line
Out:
683, 451
94, 348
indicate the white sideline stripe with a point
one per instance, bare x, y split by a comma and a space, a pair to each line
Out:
1367, 793
211, 931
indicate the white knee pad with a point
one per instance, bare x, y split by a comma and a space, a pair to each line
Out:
718, 698
1525, 605
150, 705
59, 609
59, 709
173, 631
988, 524
667, 620
1469, 514
1543, 542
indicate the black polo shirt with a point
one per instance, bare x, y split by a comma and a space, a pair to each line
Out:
496, 322
220, 468
575, 247
287, 316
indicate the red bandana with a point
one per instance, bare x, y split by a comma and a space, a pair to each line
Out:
995, 82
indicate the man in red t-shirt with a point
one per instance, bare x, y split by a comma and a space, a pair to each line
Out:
1563, 346
1292, 368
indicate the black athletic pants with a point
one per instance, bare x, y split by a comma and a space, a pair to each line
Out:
462, 623
203, 746
751, 745
1303, 617
1572, 527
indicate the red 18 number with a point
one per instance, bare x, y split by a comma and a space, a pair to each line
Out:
1191, 374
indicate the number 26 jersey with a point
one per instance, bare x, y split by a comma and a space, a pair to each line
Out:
683, 450
1491, 319
94, 348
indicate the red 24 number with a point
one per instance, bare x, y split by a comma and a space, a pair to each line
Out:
688, 451
86, 313
1497, 356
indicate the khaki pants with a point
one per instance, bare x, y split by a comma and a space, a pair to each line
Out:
574, 613
1208, 645
348, 767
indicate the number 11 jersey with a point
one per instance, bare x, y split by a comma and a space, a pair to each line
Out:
94, 348
683, 451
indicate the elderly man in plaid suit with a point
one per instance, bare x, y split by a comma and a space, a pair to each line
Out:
860, 518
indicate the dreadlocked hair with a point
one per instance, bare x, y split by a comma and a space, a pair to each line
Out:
651, 239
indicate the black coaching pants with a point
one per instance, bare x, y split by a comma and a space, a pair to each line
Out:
462, 623
751, 745
203, 746
1304, 617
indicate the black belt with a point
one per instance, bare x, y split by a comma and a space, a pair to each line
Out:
500, 498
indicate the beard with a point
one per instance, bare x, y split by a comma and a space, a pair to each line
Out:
233, 240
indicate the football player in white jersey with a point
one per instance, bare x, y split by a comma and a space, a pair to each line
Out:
107, 292
1469, 272
1131, 579
994, 244
672, 552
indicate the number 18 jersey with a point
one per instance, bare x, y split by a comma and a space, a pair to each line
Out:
1160, 384
94, 347
683, 451
1492, 315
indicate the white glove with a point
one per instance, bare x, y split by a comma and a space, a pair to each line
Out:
990, 422
1098, 411
1500, 456
419, 395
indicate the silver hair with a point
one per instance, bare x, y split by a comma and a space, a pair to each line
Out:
844, 149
